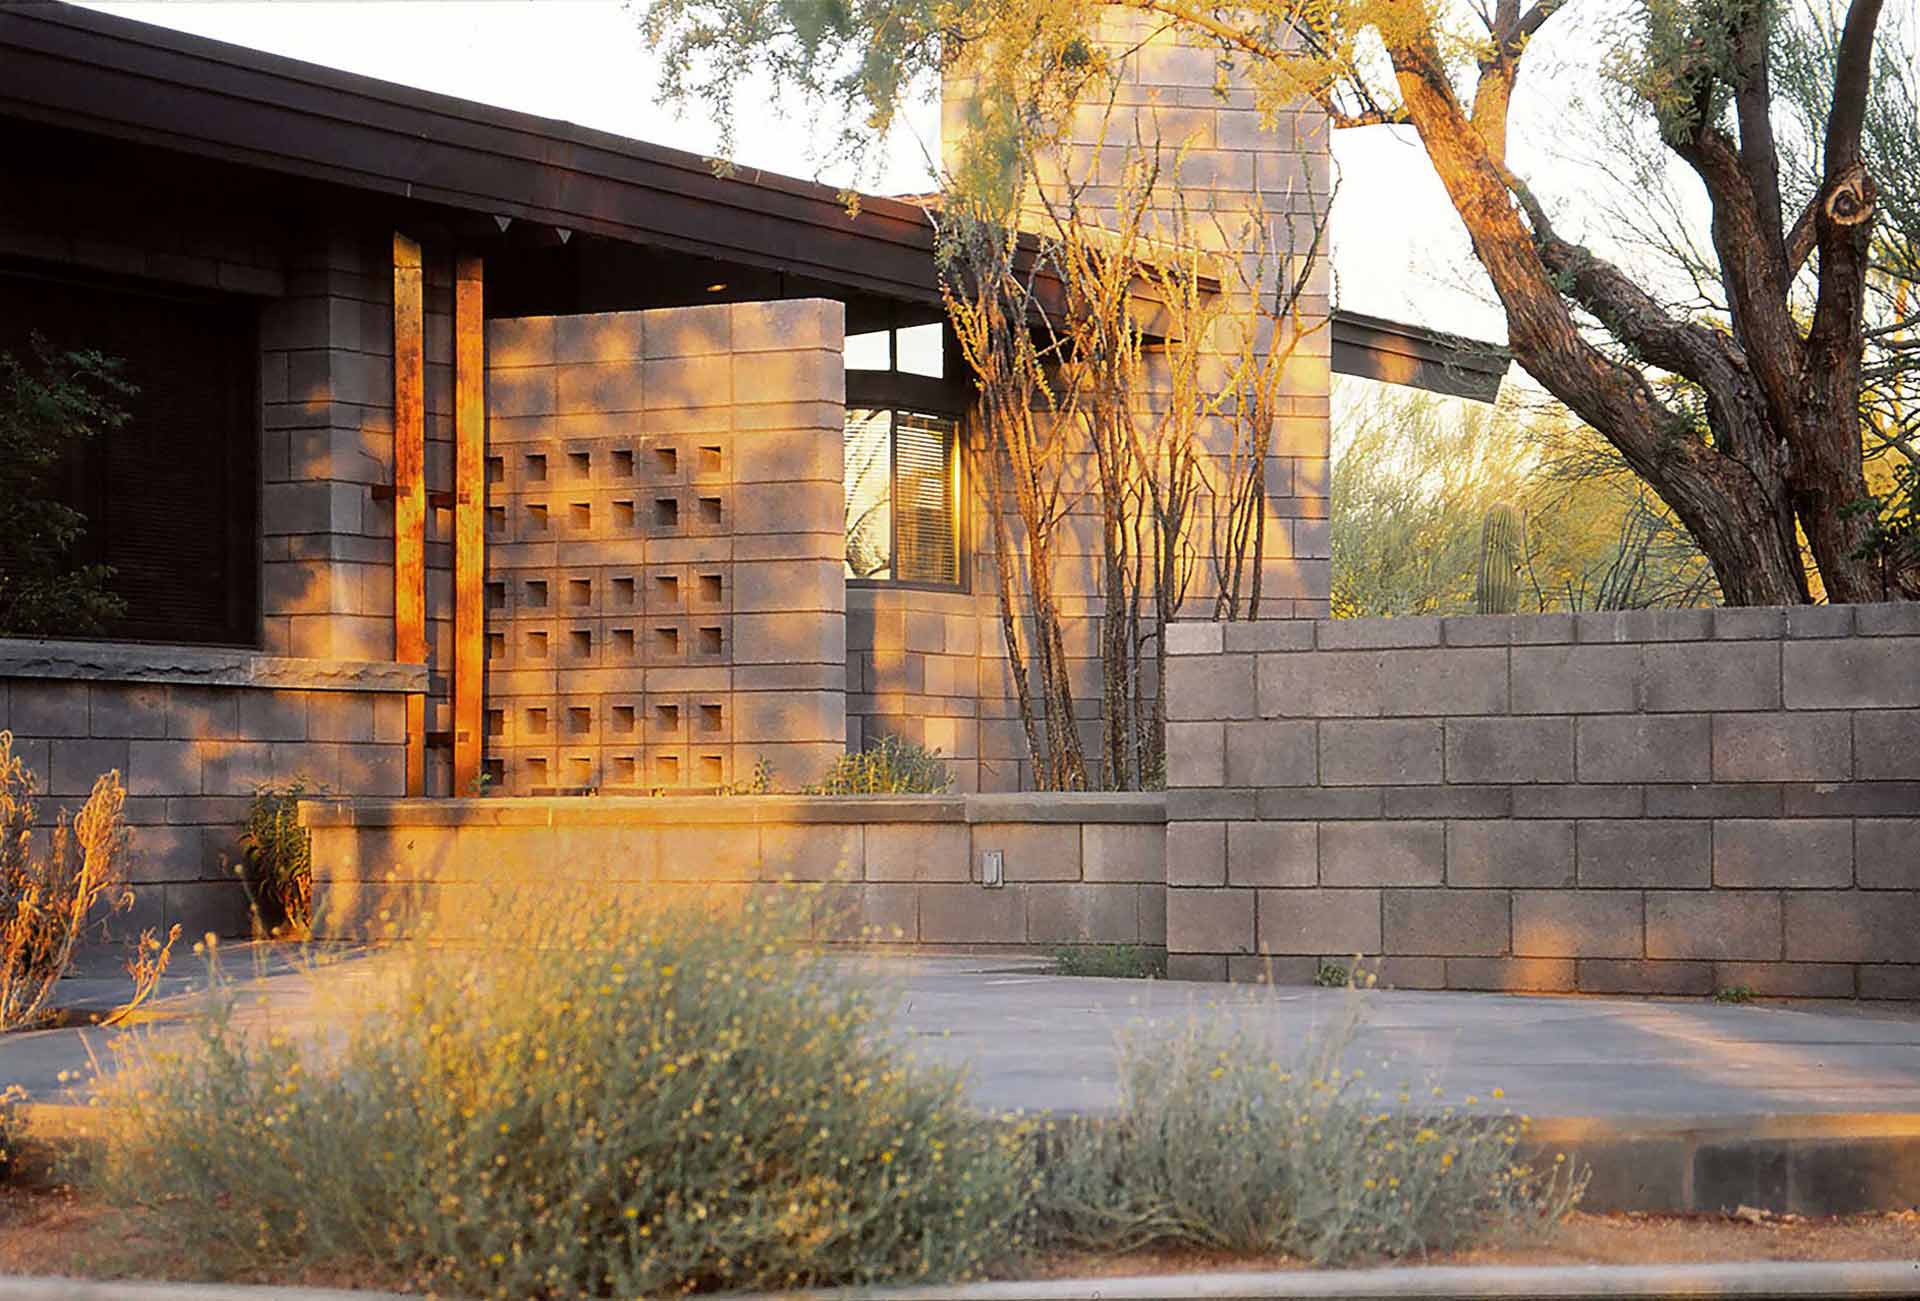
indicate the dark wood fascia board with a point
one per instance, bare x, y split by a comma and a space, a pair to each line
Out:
1394, 352
94, 72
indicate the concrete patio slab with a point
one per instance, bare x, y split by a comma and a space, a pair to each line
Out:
1677, 1105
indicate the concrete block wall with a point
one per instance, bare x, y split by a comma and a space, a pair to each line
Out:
1644, 802
665, 599
916, 664
192, 734
889, 870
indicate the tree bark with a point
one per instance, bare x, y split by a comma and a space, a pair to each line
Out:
1733, 508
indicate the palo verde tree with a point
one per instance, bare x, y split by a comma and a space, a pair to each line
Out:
1747, 427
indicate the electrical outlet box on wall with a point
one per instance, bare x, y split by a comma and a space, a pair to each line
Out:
993, 868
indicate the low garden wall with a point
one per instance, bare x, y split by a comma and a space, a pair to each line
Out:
1663, 802
1078, 869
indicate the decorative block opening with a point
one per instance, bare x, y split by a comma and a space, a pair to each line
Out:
622, 643
712, 589
711, 718
537, 520
710, 461
579, 771
710, 641
623, 514
666, 641
496, 469
537, 593
710, 510
623, 591
666, 589
626, 770
666, 769
580, 464
496, 771
666, 460
496, 520
666, 718
579, 719
496, 645
496, 722
496, 596
580, 642
580, 591
622, 718
623, 462
536, 769
580, 515
666, 512
536, 645
536, 467
713, 769
537, 722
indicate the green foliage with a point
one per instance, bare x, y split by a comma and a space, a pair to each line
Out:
1416, 476
1331, 975
760, 783
1117, 961
48, 403
1733, 994
632, 1105
893, 767
277, 859
1893, 531
1496, 589
1218, 1146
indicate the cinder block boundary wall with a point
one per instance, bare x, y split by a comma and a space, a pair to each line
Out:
192, 731
1642, 802
1079, 869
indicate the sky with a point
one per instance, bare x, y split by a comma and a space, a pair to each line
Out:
1399, 250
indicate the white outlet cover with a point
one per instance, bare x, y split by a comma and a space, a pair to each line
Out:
993, 873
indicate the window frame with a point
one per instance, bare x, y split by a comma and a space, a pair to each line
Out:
945, 399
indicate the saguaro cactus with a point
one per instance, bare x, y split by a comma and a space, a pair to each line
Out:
1497, 589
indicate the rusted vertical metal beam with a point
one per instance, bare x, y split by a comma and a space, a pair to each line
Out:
469, 513
410, 491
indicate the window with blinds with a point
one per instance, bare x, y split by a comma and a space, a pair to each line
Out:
171, 497
902, 497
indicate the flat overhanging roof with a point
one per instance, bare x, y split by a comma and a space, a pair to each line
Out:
87, 71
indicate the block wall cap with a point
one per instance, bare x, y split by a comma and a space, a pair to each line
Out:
1069, 806
1732, 623
1147, 807
201, 666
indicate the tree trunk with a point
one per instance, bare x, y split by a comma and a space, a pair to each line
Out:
1728, 506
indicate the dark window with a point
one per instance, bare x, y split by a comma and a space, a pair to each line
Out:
171, 498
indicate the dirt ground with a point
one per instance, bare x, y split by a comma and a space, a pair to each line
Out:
47, 1228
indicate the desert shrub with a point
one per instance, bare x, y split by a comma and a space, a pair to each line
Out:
1217, 1145
893, 767
46, 898
640, 1105
1120, 961
277, 859
10, 1128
